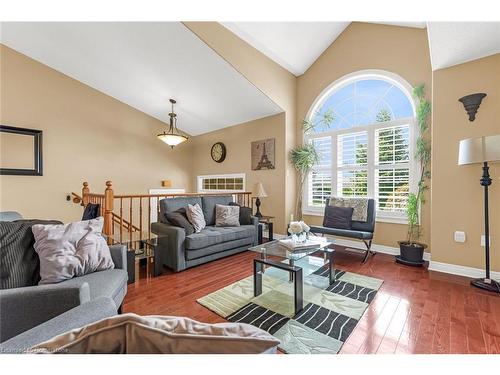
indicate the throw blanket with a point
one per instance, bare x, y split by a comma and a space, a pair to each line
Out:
360, 206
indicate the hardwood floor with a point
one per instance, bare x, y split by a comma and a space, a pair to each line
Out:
415, 311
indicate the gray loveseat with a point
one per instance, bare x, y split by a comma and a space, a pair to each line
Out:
178, 251
23, 308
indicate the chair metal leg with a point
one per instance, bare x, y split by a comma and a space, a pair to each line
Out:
368, 250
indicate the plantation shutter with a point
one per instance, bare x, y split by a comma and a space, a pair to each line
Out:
392, 168
320, 181
352, 164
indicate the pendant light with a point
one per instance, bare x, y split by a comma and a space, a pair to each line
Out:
173, 137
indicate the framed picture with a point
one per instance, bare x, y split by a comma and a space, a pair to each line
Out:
263, 156
21, 151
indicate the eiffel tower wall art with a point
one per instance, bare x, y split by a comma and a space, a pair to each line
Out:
263, 154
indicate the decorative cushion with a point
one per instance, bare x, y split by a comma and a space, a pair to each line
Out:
338, 217
195, 217
179, 218
360, 206
70, 250
173, 204
134, 334
208, 205
227, 216
19, 263
245, 214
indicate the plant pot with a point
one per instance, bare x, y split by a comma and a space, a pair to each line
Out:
412, 253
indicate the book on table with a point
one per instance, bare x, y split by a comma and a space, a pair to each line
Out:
307, 245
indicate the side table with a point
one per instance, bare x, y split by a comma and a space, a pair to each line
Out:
266, 221
141, 247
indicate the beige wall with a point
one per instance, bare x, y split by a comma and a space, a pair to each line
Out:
273, 80
237, 140
457, 197
361, 46
87, 135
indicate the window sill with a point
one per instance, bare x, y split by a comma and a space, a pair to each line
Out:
379, 219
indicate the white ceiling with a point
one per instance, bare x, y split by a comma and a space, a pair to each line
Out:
293, 45
296, 45
453, 43
143, 65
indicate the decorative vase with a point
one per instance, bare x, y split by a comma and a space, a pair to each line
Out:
299, 238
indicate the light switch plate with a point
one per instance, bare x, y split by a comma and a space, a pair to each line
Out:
459, 236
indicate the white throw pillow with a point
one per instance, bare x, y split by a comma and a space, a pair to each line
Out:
70, 250
195, 217
134, 334
227, 216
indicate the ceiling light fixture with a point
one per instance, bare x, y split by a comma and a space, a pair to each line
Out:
173, 137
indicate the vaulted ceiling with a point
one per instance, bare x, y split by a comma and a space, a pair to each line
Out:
143, 65
296, 45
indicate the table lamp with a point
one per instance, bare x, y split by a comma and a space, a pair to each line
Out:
482, 150
258, 192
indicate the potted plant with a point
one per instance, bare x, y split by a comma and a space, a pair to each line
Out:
412, 251
304, 157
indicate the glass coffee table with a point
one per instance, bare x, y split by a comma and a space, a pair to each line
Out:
284, 259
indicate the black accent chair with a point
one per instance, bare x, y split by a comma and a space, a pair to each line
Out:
360, 230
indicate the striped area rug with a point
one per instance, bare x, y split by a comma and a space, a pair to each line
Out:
329, 315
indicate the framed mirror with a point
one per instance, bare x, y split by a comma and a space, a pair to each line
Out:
20, 151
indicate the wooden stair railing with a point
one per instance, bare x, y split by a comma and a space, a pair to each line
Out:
134, 211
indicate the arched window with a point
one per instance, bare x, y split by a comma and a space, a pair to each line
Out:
363, 127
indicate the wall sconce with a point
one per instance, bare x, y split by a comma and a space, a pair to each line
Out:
471, 104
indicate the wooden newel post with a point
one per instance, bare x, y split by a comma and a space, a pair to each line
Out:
108, 209
85, 194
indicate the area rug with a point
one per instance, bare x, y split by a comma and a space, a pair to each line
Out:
329, 315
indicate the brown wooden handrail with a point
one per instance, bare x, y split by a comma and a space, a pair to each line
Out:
117, 221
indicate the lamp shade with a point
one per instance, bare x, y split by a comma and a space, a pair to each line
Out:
258, 191
479, 150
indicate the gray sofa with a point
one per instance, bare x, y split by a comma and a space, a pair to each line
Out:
178, 251
79, 316
27, 307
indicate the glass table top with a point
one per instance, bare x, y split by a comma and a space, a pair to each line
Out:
275, 248
142, 243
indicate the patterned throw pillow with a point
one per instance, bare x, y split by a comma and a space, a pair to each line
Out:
245, 214
195, 217
71, 250
227, 216
360, 206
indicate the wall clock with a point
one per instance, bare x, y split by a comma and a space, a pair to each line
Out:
218, 152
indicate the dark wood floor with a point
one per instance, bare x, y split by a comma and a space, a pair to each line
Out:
415, 311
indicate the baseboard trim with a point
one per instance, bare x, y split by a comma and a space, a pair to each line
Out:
456, 269
375, 247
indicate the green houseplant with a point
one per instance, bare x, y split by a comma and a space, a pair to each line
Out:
304, 157
412, 250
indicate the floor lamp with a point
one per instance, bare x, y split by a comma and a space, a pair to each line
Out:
482, 150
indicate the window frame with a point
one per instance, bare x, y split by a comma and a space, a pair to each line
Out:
413, 164
199, 183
